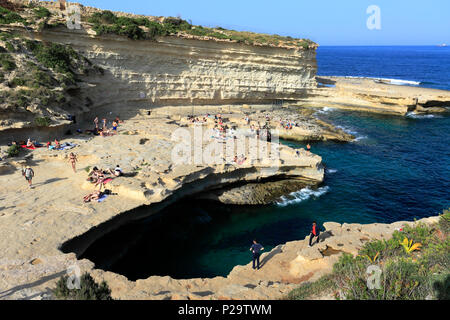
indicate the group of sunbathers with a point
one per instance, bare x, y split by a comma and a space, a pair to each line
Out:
104, 131
99, 176
239, 160
288, 124
193, 119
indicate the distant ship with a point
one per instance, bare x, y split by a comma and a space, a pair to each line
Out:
442, 45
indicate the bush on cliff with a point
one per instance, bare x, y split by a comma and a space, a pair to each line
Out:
42, 12
42, 121
418, 274
53, 55
6, 62
8, 17
106, 22
89, 289
13, 151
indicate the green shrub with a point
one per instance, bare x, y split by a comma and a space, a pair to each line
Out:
41, 78
42, 121
444, 222
420, 233
10, 47
8, 17
418, 275
17, 82
309, 289
13, 151
404, 279
42, 12
103, 17
53, 55
442, 288
436, 256
373, 249
89, 289
7, 62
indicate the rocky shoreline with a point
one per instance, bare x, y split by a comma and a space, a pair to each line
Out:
38, 225
47, 228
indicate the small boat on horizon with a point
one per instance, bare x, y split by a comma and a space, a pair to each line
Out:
442, 45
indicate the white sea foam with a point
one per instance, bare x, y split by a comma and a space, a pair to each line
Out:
352, 132
398, 82
421, 116
331, 171
325, 110
301, 195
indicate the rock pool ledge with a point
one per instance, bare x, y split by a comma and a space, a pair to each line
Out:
36, 223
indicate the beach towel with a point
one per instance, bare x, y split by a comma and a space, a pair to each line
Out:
29, 148
66, 146
102, 198
107, 180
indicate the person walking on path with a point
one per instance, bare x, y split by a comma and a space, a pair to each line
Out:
28, 173
315, 232
256, 249
73, 161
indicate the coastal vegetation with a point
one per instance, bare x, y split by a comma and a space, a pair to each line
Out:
42, 121
106, 22
88, 289
38, 74
13, 151
8, 16
414, 264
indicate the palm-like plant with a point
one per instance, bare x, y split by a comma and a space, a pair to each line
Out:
372, 260
409, 246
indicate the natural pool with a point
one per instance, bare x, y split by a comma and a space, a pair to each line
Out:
398, 169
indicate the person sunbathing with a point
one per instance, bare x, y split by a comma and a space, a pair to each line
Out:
95, 175
30, 144
93, 196
241, 159
57, 144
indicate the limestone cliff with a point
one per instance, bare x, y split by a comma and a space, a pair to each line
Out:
175, 67
175, 70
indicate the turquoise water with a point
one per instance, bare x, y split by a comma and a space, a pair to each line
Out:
398, 169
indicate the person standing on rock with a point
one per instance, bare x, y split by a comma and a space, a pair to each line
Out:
315, 232
73, 161
28, 173
96, 122
256, 249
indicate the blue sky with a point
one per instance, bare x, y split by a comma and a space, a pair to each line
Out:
327, 22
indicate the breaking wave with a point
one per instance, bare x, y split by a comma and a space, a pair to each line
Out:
398, 82
358, 137
301, 195
413, 115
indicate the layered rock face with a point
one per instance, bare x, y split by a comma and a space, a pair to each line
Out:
174, 71
372, 95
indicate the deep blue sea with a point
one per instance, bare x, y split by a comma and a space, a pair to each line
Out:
398, 169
